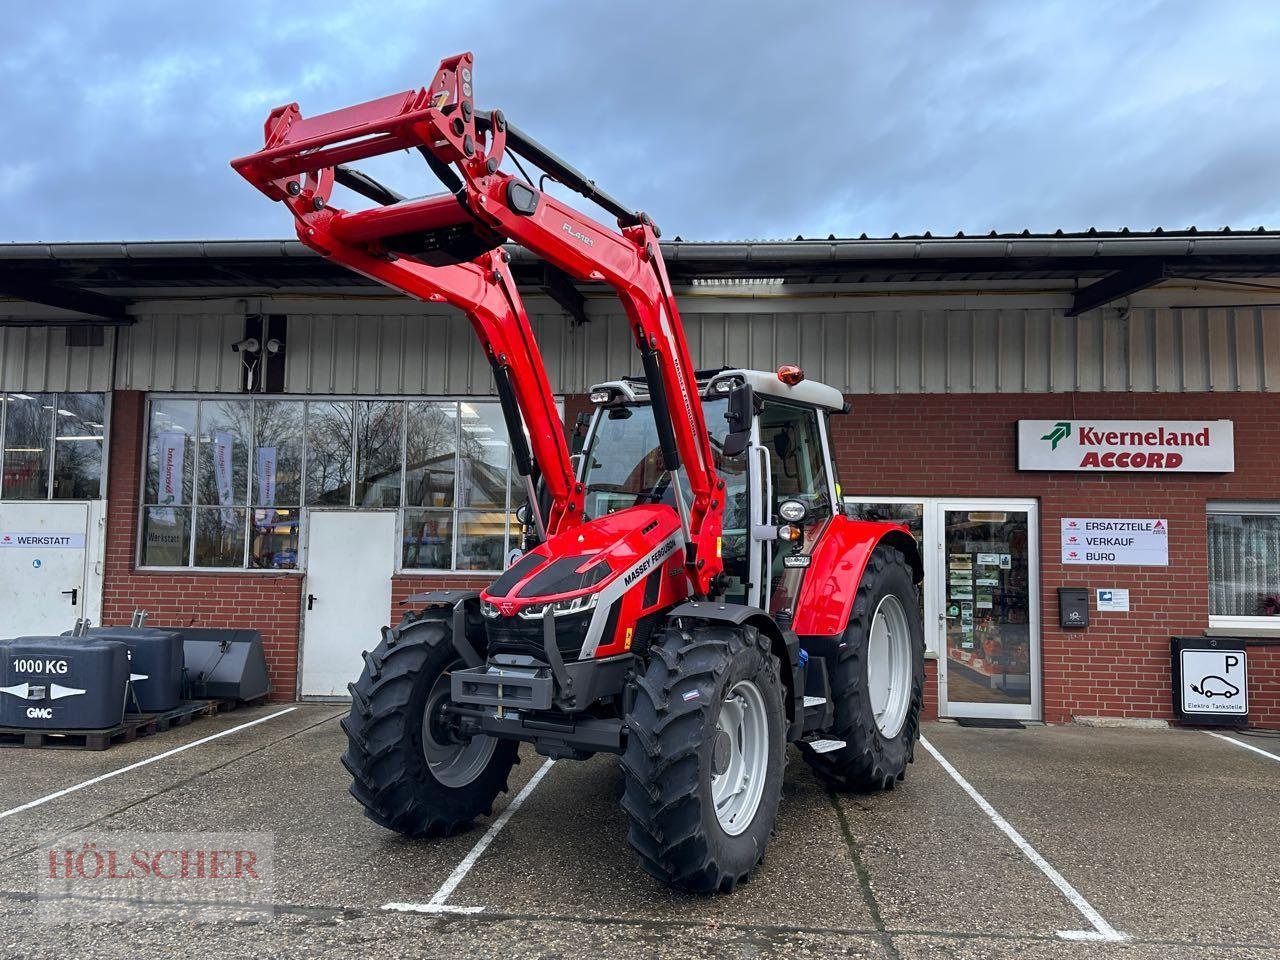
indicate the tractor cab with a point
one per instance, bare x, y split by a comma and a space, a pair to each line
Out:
780, 486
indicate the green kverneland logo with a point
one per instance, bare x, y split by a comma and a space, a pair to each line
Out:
1061, 430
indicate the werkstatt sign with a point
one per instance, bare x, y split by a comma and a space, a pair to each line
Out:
1117, 540
1181, 446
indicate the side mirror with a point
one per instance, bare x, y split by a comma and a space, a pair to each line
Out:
579, 436
740, 410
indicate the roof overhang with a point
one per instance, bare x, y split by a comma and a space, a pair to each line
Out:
100, 281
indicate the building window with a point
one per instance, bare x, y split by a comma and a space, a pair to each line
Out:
227, 479
1244, 564
52, 445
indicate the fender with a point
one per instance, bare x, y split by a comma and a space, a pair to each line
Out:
456, 606
435, 598
784, 643
836, 568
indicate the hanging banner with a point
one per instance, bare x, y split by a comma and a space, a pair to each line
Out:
1179, 446
266, 476
223, 450
171, 447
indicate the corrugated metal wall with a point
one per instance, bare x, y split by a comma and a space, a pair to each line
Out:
181, 352
883, 351
908, 350
38, 359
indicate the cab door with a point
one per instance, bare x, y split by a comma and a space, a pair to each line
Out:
793, 458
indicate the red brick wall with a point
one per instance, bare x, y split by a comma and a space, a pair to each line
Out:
939, 445
271, 603
930, 709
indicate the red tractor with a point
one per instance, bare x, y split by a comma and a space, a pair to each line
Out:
692, 597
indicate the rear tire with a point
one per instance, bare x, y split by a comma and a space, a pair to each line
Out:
707, 726
873, 759
386, 757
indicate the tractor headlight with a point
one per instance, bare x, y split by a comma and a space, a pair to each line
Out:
488, 609
793, 511
563, 608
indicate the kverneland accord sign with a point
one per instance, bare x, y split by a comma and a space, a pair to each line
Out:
1184, 446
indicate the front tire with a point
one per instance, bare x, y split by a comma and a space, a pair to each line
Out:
704, 757
409, 771
877, 684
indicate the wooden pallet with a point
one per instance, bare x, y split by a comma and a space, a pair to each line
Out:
133, 726
226, 705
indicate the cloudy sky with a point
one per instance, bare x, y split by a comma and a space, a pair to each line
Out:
723, 120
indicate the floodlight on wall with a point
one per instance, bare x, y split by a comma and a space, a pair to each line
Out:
247, 345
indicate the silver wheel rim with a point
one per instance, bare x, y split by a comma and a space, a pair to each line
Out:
452, 764
742, 748
889, 665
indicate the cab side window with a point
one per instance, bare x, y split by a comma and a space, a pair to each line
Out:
796, 461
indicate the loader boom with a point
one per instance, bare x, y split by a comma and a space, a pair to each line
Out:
448, 248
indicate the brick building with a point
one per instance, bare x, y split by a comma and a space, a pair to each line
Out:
306, 487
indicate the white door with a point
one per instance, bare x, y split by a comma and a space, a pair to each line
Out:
42, 567
350, 560
985, 567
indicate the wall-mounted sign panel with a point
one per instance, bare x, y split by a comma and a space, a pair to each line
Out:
1210, 680
1115, 540
42, 540
1112, 600
1180, 446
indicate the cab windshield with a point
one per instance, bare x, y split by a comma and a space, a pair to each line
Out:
623, 463
623, 467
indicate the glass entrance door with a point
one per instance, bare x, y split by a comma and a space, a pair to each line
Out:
988, 637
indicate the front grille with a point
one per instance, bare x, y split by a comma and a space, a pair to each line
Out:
524, 637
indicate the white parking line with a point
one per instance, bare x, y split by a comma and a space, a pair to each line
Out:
1247, 746
1101, 929
437, 902
141, 763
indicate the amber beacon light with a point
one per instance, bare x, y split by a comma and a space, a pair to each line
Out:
790, 374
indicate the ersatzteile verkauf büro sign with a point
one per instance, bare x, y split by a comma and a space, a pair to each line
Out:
1116, 540
1180, 446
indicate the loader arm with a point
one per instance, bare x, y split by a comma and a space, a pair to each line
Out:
482, 287
486, 292
410, 244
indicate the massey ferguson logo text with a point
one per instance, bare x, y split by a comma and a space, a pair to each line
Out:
646, 565
578, 235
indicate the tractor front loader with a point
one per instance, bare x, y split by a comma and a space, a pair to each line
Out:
693, 597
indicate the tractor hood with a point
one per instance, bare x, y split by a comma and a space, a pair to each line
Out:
622, 546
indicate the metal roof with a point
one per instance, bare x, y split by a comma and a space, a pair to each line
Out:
100, 280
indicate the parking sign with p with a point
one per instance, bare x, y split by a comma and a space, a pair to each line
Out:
1211, 680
